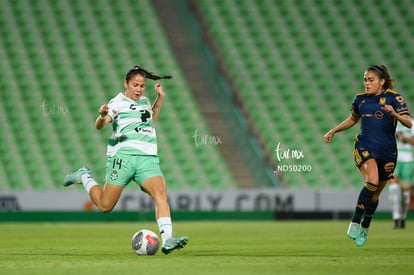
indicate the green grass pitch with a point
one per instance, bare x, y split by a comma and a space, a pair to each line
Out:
236, 247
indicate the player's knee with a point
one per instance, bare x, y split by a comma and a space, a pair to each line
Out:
105, 208
373, 179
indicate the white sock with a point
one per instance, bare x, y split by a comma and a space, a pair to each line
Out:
165, 227
405, 203
88, 182
395, 198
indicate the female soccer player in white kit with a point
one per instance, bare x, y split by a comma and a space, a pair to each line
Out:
132, 153
400, 186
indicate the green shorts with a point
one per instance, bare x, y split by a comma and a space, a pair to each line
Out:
122, 168
404, 171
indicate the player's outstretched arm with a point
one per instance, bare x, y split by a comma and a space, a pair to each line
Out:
344, 125
103, 118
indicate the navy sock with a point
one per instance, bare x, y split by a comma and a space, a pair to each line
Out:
364, 199
369, 213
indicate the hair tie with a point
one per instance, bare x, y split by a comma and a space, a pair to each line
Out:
151, 75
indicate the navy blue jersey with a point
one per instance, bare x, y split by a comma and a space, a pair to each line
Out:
377, 133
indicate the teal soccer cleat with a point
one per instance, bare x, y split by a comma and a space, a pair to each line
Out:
353, 230
362, 236
75, 177
174, 243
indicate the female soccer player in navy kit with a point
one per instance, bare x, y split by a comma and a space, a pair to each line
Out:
379, 108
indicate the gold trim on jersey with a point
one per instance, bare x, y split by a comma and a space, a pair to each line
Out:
358, 158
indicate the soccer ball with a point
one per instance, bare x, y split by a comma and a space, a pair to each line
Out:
145, 242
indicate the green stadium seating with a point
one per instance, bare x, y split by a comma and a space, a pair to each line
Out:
60, 61
297, 66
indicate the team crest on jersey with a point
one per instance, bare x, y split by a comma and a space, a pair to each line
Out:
114, 175
382, 100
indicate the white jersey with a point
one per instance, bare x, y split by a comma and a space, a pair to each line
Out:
133, 129
405, 150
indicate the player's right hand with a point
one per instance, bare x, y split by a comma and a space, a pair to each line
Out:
103, 110
328, 136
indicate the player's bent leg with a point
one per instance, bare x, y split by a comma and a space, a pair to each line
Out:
369, 171
105, 198
381, 186
156, 188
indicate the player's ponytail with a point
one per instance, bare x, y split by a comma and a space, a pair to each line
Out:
139, 70
383, 73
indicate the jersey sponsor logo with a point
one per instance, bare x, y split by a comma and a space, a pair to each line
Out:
379, 115
145, 115
143, 130
134, 106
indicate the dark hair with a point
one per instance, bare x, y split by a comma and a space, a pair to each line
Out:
383, 73
139, 70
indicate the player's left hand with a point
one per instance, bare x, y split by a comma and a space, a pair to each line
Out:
389, 109
159, 89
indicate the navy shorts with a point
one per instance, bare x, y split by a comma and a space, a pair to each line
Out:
385, 166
